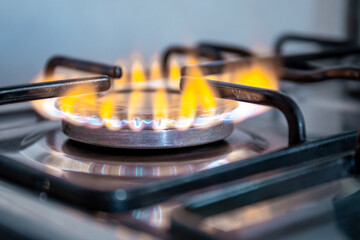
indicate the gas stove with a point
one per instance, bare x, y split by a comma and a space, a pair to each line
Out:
262, 176
209, 141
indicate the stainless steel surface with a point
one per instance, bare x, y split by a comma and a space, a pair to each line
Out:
28, 215
50, 148
42, 144
303, 215
28, 139
147, 138
327, 107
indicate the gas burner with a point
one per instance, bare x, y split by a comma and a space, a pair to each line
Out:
146, 110
147, 138
143, 130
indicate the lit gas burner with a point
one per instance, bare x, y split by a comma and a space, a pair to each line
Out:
148, 138
149, 125
146, 110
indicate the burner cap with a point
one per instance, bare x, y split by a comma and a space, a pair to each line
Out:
147, 138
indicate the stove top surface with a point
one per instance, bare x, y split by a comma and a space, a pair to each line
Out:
34, 142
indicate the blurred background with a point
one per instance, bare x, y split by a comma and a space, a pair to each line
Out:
33, 31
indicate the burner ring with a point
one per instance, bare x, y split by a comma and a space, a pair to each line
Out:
147, 138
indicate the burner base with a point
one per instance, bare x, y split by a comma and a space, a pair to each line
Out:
147, 139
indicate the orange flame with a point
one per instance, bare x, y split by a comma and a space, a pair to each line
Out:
76, 102
137, 73
46, 107
174, 72
160, 109
257, 75
195, 106
107, 112
197, 96
155, 69
188, 104
136, 100
206, 96
118, 83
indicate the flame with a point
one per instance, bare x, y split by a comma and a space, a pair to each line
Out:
197, 96
46, 107
136, 100
191, 60
118, 83
226, 77
206, 97
137, 73
143, 99
155, 69
80, 107
174, 72
188, 104
174, 77
108, 112
257, 75
160, 109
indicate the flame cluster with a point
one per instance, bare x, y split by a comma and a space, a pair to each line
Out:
147, 99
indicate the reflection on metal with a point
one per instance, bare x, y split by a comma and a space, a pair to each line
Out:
147, 139
152, 216
53, 150
299, 206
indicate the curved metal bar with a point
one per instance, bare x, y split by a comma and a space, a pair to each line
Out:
265, 97
312, 174
35, 91
356, 167
241, 52
218, 67
322, 74
352, 19
322, 42
333, 53
330, 147
203, 49
83, 65
299, 65
291, 61
192, 51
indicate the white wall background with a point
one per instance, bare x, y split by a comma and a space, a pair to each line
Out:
32, 31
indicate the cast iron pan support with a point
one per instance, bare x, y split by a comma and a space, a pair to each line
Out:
295, 68
356, 167
42, 90
186, 51
285, 104
226, 48
82, 65
319, 41
188, 221
211, 51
